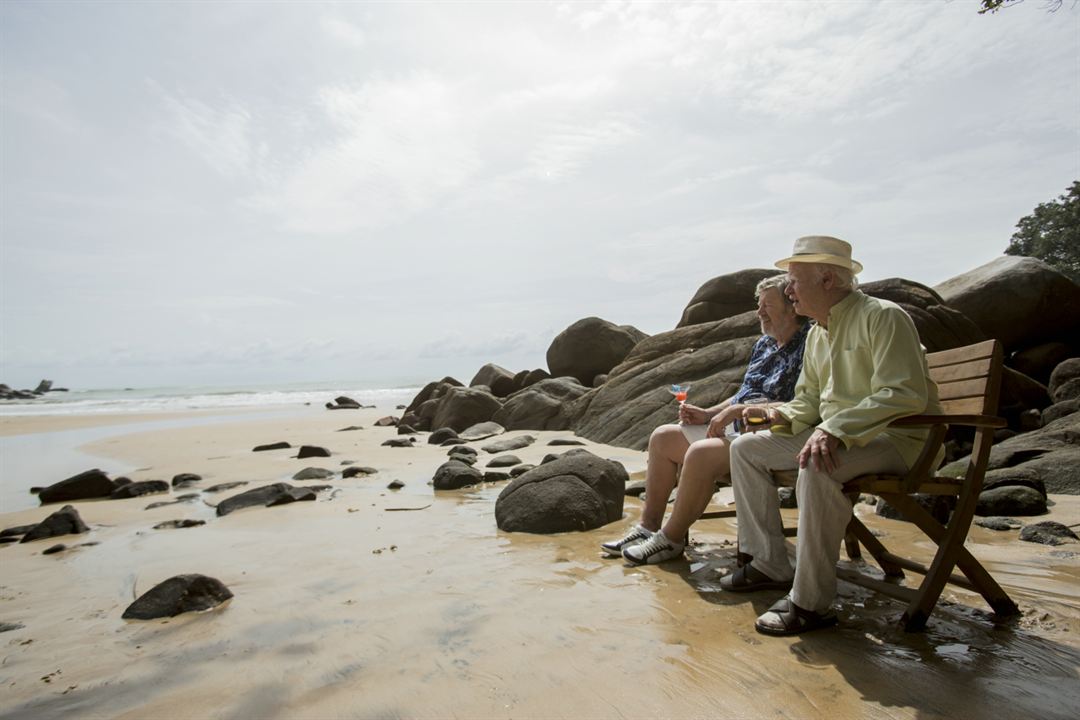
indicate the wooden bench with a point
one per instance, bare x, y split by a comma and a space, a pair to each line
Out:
968, 380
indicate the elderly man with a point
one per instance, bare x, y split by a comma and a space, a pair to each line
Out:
863, 367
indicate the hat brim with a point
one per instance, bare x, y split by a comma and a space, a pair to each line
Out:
843, 262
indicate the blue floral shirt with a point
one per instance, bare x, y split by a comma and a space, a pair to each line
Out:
773, 371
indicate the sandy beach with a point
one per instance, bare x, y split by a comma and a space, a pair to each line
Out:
373, 603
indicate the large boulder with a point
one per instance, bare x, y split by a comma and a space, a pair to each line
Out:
461, 407
724, 296
940, 326
1065, 380
499, 379
89, 484
1050, 455
577, 491
589, 347
266, 496
454, 475
1038, 362
539, 406
1019, 300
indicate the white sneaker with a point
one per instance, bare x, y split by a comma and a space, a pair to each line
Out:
638, 533
656, 549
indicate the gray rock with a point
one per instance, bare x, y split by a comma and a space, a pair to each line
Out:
635, 489
61, 547
497, 378
940, 507
307, 451
467, 459
8, 627
89, 484
387, 421
1060, 410
17, 530
540, 406
65, 521
996, 522
395, 485
1047, 532
179, 524
265, 496
787, 497
1064, 373
508, 444
271, 446
462, 450
491, 476
481, 431
137, 489
1050, 454
520, 469
179, 594
314, 473
184, 479
564, 441
222, 487
400, 442
589, 347
578, 491
1019, 300
504, 461
350, 428
453, 475
1011, 500
441, 435
459, 408
357, 470
422, 408
724, 296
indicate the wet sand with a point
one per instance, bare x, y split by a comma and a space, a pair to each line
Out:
352, 607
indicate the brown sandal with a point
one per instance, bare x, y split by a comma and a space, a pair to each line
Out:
790, 619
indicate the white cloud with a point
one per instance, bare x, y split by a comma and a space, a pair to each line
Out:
562, 152
343, 31
219, 136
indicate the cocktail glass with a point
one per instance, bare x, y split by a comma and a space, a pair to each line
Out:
679, 391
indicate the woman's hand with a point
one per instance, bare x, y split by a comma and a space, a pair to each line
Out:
692, 415
722, 419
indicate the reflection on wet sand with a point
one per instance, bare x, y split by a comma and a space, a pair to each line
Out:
462, 620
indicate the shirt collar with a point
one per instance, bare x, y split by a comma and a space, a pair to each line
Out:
840, 309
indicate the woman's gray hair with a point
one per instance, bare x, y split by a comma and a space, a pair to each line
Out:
774, 282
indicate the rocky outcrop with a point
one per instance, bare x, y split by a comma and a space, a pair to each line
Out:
539, 407
1064, 381
1047, 459
179, 594
1019, 300
138, 489
578, 491
589, 347
420, 411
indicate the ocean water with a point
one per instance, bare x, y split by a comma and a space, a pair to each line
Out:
42, 458
170, 399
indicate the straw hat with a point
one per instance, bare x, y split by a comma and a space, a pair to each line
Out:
822, 249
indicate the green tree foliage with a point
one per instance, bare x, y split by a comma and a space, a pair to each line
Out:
1052, 233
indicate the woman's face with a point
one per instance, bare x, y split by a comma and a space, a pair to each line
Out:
777, 316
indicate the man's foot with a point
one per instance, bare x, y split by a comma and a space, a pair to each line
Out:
656, 549
638, 533
787, 618
748, 579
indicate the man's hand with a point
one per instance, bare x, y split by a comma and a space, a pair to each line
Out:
692, 415
820, 449
721, 420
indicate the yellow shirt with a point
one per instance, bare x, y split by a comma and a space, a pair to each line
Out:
866, 370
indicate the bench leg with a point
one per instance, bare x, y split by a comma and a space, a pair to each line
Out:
877, 550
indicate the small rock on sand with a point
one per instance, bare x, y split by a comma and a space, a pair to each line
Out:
179, 594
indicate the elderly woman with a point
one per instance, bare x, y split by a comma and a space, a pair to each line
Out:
699, 443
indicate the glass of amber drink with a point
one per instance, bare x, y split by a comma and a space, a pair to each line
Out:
756, 413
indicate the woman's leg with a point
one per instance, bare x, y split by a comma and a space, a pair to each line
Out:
705, 461
667, 446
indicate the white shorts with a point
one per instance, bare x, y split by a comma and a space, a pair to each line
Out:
693, 433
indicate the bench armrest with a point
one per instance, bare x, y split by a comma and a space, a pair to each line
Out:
988, 421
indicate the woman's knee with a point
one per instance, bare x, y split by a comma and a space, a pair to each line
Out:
711, 453
667, 439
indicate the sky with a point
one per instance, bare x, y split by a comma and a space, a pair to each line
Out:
387, 193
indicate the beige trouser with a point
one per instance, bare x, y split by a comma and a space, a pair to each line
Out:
824, 511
